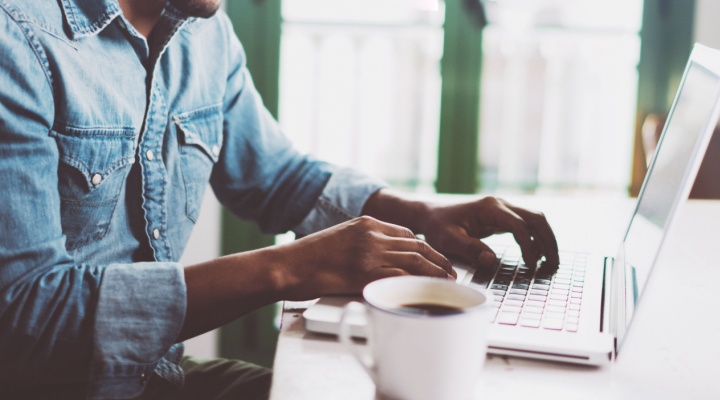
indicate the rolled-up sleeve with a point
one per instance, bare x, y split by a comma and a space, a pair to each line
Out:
262, 177
61, 321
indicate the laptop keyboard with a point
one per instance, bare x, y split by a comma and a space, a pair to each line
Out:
537, 297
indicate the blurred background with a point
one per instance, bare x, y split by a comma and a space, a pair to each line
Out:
543, 97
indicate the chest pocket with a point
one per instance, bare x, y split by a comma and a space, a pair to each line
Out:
94, 164
200, 139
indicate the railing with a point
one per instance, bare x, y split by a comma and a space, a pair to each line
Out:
558, 91
365, 94
558, 109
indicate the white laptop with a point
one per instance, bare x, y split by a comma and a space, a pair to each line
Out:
580, 312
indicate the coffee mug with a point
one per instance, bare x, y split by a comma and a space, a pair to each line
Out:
426, 337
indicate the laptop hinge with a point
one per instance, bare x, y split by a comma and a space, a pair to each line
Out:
606, 286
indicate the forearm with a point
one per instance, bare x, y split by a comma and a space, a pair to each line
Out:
224, 289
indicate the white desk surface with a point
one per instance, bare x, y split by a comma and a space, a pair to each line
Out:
671, 352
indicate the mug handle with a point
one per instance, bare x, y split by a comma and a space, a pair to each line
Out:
350, 311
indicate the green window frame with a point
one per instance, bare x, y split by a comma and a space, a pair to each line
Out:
257, 23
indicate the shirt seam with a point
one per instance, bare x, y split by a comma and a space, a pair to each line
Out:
45, 27
81, 28
327, 205
67, 129
36, 47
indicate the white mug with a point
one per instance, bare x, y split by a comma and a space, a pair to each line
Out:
426, 337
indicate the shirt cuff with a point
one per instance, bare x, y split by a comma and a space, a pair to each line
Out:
140, 312
342, 200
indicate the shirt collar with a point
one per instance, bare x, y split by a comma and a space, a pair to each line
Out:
88, 17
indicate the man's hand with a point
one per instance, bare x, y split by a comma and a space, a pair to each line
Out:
455, 229
337, 260
344, 258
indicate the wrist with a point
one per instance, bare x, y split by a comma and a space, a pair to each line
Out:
397, 209
281, 273
295, 269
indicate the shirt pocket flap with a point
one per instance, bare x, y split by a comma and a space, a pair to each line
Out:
96, 153
202, 129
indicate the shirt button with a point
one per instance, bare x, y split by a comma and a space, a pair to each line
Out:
215, 150
156, 233
96, 179
143, 379
150, 155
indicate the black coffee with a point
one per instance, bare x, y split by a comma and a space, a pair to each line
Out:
430, 309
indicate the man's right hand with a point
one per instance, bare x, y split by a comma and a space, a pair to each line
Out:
338, 260
344, 258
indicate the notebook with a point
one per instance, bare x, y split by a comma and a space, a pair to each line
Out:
580, 311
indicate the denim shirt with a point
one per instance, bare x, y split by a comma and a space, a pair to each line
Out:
107, 143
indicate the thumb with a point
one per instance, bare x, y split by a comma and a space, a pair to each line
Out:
475, 251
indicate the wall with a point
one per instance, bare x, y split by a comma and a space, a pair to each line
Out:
707, 30
204, 245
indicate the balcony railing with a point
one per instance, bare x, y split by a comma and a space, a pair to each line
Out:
360, 86
365, 94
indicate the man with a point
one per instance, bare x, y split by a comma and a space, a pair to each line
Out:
114, 116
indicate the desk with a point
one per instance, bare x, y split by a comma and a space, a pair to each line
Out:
671, 351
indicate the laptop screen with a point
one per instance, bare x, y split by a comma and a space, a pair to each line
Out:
665, 185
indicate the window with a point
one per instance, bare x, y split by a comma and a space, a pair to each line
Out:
360, 86
558, 94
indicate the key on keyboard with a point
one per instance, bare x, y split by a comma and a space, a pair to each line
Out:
535, 297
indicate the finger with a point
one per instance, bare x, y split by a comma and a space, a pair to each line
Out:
388, 272
471, 250
424, 249
386, 228
403, 239
542, 233
356, 286
413, 263
516, 225
381, 273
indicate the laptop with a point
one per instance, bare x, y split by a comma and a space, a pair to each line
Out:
580, 311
